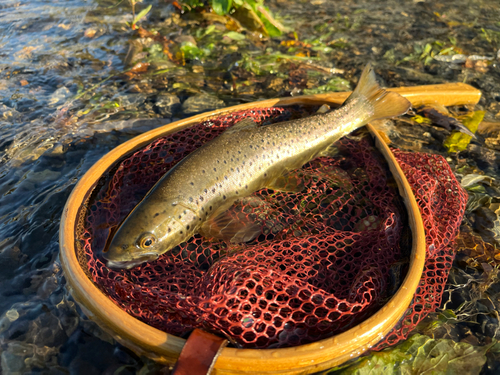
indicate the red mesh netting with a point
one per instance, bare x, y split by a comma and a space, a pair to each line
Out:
327, 257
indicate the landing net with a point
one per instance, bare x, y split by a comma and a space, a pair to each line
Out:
327, 257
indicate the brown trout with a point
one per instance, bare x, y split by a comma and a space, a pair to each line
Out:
243, 159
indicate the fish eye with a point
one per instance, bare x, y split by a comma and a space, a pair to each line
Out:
146, 241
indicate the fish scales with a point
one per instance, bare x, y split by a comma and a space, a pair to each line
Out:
242, 160
236, 166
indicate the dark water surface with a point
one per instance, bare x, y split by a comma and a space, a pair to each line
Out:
71, 90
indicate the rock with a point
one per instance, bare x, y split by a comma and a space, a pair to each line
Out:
46, 175
167, 105
276, 84
60, 96
90, 32
491, 133
137, 125
12, 363
27, 105
417, 75
183, 39
201, 103
132, 101
7, 112
12, 315
143, 86
56, 151
162, 65
135, 53
456, 59
79, 366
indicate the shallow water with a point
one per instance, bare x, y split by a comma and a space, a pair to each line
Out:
65, 102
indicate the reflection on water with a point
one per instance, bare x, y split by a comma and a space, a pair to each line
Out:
65, 101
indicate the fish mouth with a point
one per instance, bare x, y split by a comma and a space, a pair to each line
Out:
128, 264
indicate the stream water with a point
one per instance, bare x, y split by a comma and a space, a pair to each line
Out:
76, 81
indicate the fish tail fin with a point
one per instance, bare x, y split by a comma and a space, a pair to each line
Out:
374, 101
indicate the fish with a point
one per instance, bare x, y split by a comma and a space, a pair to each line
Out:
242, 160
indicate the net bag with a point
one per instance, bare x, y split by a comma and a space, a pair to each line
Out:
327, 257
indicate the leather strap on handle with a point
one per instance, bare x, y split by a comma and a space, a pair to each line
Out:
199, 354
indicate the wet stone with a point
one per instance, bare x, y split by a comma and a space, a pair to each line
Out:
124, 355
185, 39
132, 100
201, 103
27, 105
60, 96
47, 330
275, 83
162, 65
10, 259
12, 363
7, 112
142, 87
56, 151
46, 175
21, 357
132, 126
86, 361
79, 366
167, 105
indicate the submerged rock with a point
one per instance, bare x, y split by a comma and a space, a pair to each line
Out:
137, 125
167, 105
132, 101
7, 113
60, 96
201, 103
42, 176
491, 133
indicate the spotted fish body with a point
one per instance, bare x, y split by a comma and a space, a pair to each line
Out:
242, 160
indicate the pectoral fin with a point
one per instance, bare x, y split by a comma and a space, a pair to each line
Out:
330, 151
297, 181
289, 183
239, 223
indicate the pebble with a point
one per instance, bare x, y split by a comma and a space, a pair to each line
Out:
132, 100
60, 96
46, 175
26, 105
12, 363
57, 150
7, 112
162, 65
12, 315
457, 59
167, 104
137, 125
201, 103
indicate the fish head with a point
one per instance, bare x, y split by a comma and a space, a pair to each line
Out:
144, 235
